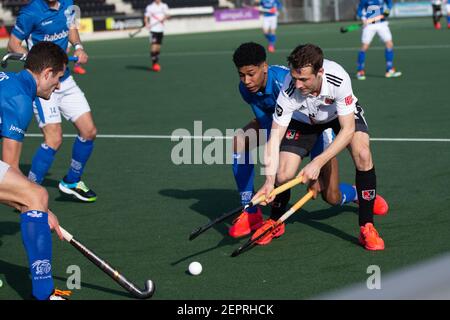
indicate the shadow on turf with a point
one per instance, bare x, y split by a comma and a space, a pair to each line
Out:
211, 204
47, 183
18, 278
141, 68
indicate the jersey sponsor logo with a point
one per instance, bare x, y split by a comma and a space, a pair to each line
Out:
42, 266
348, 100
368, 194
16, 129
56, 36
336, 81
279, 110
45, 23
3, 76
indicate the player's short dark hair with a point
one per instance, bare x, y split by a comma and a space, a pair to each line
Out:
249, 54
45, 55
306, 55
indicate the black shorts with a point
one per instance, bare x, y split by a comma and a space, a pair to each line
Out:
157, 37
300, 137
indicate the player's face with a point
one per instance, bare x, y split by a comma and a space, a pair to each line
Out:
49, 81
254, 77
306, 81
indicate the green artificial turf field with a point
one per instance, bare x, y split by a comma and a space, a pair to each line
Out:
147, 206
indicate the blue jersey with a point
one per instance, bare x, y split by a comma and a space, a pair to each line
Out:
17, 92
371, 8
37, 22
269, 4
263, 103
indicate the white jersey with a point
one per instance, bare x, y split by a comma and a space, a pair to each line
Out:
335, 99
156, 13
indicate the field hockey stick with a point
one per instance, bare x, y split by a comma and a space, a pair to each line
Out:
194, 234
357, 26
135, 33
252, 241
109, 270
22, 57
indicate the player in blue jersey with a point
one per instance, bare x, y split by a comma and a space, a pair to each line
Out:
55, 21
270, 10
259, 87
44, 66
371, 9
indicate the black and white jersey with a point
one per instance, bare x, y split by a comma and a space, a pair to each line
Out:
335, 99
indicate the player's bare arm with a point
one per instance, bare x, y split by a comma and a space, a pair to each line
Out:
11, 151
80, 53
15, 45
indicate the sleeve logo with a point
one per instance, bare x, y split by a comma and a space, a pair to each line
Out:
348, 100
279, 110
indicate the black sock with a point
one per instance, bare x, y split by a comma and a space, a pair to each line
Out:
279, 204
366, 186
155, 56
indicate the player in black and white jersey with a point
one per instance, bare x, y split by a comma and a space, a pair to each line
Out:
321, 91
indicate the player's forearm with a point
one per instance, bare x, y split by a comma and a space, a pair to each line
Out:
11, 151
15, 45
272, 152
74, 37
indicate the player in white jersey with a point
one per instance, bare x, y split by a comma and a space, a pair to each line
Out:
322, 93
437, 13
156, 14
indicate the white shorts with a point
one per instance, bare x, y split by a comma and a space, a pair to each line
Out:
270, 22
448, 9
3, 169
382, 28
68, 100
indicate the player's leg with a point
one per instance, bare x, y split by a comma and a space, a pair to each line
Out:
366, 184
75, 108
156, 38
36, 237
266, 28
437, 14
448, 14
48, 117
244, 174
366, 38
271, 36
386, 36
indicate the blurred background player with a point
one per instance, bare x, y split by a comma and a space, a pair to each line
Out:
370, 9
437, 13
259, 87
44, 66
156, 14
270, 9
48, 21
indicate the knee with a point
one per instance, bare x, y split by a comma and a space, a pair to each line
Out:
38, 198
89, 134
364, 159
332, 198
54, 139
283, 176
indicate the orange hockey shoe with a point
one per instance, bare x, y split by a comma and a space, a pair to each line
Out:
275, 233
369, 238
380, 206
246, 223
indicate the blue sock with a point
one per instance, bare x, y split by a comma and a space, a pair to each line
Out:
81, 151
361, 60
272, 38
389, 55
448, 19
267, 36
348, 193
41, 163
37, 241
244, 174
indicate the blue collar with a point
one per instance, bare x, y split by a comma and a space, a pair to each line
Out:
30, 86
